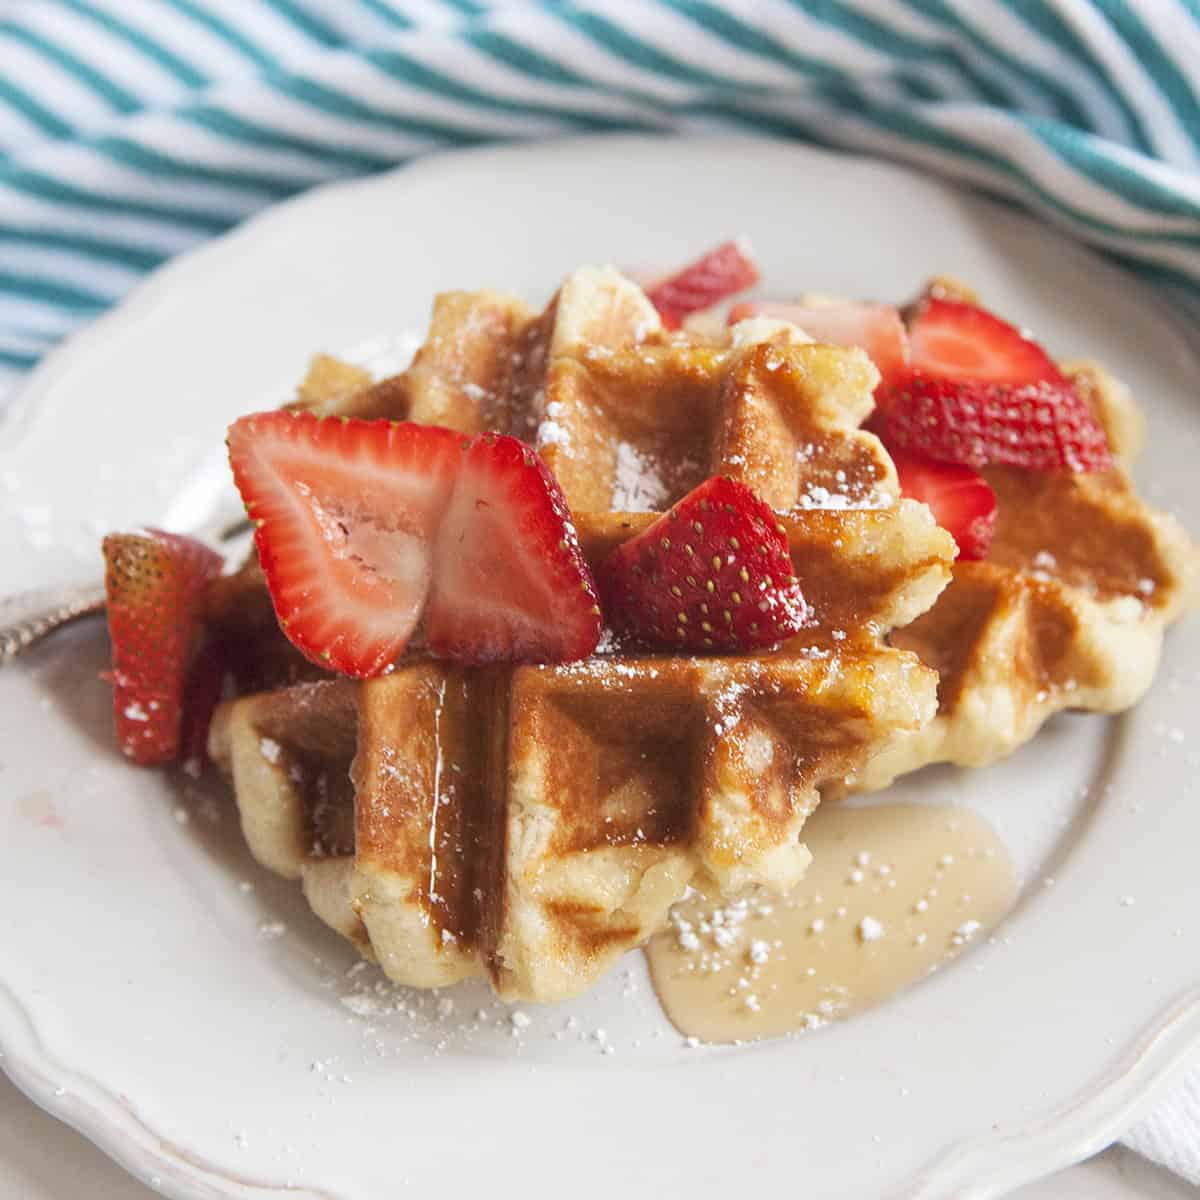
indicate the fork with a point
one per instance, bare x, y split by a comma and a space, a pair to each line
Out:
28, 617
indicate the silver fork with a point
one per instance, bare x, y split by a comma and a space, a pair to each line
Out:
28, 617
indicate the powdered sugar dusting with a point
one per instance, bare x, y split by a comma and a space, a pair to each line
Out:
637, 487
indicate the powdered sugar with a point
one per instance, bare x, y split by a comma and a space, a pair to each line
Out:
637, 487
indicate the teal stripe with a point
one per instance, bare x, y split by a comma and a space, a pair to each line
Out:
525, 59
530, 62
337, 160
1060, 98
136, 258
467, 7
32, 111
910, 127
134, 37
45, 187
755, 41
1048, 24
349, 108
1160, 67
48, 291
416, 73
727, 27
1165, 277
18, 343
230, 36
14, 358
389, 14
756, 120
889, 42
1085, 153
112, 94
309, 23
268, 185
624, 44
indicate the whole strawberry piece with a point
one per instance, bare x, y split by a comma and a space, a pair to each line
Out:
1040, 426
346, 514
719, 274
154, 583
510, 582
962, 502
949, 339
714, 573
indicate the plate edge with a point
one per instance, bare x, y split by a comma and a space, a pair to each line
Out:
110, 1121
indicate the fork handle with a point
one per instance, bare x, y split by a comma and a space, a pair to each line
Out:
28, 617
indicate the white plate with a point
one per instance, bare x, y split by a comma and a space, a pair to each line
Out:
150, 1001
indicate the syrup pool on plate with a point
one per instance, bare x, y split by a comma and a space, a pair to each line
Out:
893, 892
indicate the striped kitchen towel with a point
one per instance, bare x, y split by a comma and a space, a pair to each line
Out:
133, 129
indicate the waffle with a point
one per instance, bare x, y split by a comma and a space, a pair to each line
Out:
1068, 610
533, 823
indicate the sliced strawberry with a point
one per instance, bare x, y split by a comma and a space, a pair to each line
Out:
721, 273
875, 328
949, 339
712, 574
346, 511
962, 502
510, 581
154, 583
1042, 426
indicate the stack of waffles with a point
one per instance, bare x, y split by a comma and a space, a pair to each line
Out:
533, 823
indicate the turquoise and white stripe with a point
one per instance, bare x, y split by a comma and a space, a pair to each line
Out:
132, 129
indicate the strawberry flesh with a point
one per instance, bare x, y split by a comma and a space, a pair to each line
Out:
719, 274
962, 502
154, 584
714, 573
950, 339
366, 528
1041, 426
510, 582
346, 512
875, 328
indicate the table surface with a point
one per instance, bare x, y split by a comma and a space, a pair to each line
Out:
41, 1159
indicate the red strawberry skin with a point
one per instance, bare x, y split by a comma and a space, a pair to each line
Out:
713, 574
510, 582
154, 584
875, 328
962, 502
1041, 426
202, 692
719, 274
346, 512
949, 339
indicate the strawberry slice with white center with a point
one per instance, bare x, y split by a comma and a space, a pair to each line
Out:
719, 274
949, 339
510, 580
154, 584
962, 502
346, 514
875, 328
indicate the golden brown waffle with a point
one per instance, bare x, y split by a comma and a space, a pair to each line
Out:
534, 823
1068, 610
